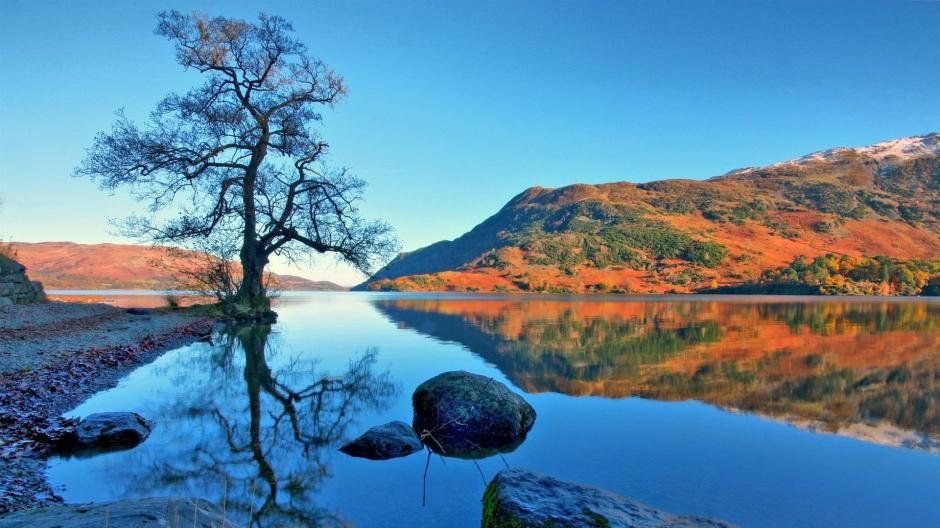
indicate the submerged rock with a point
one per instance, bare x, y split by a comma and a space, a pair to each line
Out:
467, 415
139, 513
109, 430
520, 498
382, 442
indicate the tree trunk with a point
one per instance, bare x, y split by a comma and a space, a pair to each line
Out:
251, 292
251, 295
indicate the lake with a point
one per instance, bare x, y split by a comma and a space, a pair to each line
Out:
766, 412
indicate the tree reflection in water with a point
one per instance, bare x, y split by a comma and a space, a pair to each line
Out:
264, 461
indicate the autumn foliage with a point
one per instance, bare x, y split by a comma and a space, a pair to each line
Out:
847, 275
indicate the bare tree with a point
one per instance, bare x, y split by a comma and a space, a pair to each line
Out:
210, 270
240, 154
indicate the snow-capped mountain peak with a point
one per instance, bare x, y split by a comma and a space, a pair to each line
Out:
895, 149
886, 152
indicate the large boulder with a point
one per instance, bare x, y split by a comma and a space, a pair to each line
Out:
139, 513
519, 498
392, 440
466, 415
109, 430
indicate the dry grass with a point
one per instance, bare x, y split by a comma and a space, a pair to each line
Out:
7, 251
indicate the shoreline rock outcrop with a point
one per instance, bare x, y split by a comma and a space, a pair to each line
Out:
519, 498
15, 286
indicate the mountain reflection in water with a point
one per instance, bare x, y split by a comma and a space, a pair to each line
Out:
258, 444
864, 369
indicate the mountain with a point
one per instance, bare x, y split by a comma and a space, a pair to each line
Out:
71, 266
875, 211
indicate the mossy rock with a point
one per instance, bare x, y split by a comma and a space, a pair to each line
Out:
466, 415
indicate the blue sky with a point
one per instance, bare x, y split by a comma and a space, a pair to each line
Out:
455, 107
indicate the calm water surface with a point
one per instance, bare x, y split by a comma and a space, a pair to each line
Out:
764, 412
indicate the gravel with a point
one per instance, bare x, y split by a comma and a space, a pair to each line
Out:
36, 335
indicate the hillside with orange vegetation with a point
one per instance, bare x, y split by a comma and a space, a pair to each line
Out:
71, 266
686, 236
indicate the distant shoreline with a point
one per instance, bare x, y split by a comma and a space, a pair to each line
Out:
658, 297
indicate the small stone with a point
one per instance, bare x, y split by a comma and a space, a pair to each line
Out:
392, 440
111, 430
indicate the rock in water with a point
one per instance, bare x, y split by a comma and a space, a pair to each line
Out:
520, 498
392, 440
111, 430
467, 415
138, 513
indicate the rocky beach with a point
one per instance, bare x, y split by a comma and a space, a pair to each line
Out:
55, 355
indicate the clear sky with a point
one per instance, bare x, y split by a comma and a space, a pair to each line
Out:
455, 107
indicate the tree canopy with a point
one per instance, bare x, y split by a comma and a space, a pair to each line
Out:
240, 157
